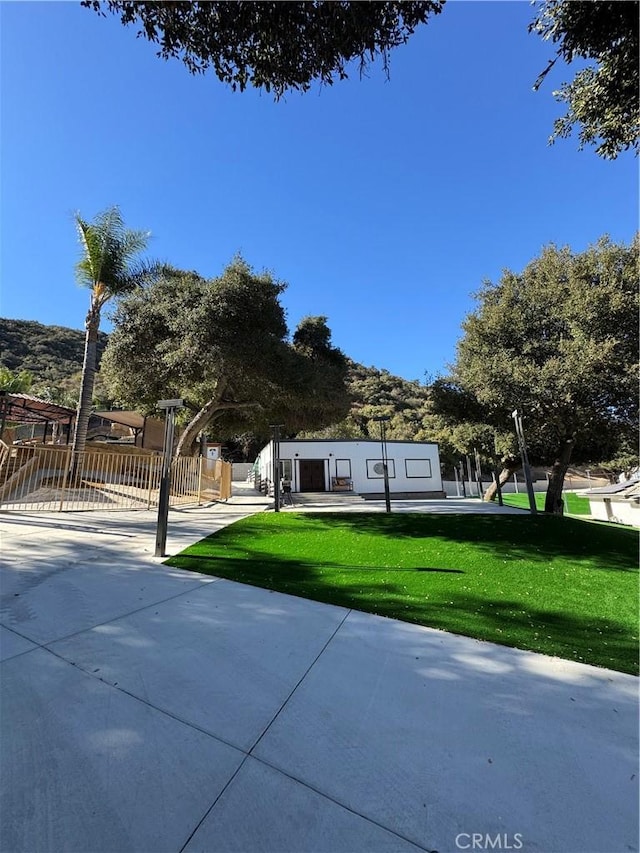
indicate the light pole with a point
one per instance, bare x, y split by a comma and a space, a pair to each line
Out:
525, 460
496, 468
382, 420
170, 407
276, 466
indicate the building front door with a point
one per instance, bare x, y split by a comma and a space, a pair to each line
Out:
312, 475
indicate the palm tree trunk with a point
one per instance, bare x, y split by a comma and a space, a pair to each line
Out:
86, 386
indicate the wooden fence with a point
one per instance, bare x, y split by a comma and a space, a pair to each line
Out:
42, 478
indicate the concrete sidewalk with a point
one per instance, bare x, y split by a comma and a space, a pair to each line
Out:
348, 502
150, 709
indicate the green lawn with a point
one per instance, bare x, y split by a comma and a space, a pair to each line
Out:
573, 504
553, 585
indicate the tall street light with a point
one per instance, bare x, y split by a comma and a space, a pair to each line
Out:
276, 466
382, 420
517, 418
496, 468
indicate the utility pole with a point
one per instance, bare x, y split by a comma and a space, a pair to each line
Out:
525, 460
496, 468
170, 407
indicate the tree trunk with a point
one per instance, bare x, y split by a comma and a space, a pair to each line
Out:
189, 438
510, 467
553, 500
86, 386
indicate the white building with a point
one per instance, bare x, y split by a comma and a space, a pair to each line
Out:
619, 502
325, 465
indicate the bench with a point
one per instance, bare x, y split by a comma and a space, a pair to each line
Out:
341, 484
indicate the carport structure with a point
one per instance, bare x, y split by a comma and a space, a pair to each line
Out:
25, 409
148, 432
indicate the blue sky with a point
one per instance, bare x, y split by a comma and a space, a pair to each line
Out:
383, 204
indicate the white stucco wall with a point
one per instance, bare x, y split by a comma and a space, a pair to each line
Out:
606, 509
409, 463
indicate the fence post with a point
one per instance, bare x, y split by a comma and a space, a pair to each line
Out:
152, 460
67, 466
201, 460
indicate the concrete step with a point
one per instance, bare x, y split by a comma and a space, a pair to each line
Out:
326, 499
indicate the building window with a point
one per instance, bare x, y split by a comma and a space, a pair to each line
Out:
417, 468
375, 471
343, 468
285, 469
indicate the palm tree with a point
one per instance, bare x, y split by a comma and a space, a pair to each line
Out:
109, 267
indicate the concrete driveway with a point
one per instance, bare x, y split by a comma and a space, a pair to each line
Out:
150, 709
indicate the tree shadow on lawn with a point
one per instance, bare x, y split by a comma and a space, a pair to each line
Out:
588, 639
597, 641
526, 537
217, 562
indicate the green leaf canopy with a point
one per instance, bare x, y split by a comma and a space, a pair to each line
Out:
222, 345
559, 342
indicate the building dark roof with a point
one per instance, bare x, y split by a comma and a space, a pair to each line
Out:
630, 486
25, 409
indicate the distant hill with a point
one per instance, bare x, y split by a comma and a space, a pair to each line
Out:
54, 355
51, 353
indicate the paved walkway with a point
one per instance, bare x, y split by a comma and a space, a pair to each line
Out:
345, 502
150, 709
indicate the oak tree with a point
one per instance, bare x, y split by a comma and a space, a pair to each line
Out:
271, 45
559, 342
281, 47
603, 99
221, 344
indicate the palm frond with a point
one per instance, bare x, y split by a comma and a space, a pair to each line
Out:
109, 255
88, 267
